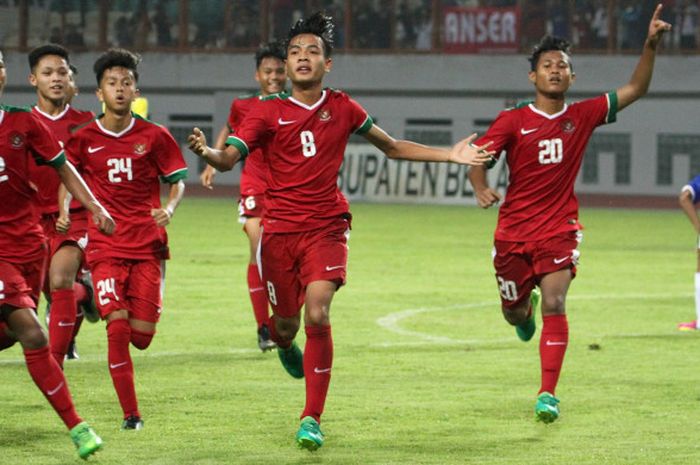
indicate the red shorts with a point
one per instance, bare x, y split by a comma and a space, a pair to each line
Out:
521, 265
20, 285
133, 285
77, 234
250, 206
290, 261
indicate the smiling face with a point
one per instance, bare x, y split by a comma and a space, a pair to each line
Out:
271, 75
117, 89
553, 75
306, 60
50, 77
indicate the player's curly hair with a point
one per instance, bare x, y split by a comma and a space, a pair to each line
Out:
546, 44
272, 49
48, 49
116, 57
318, 24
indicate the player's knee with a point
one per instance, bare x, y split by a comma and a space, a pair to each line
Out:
141, 340
516, 315
553, 304
33, 338
60, 279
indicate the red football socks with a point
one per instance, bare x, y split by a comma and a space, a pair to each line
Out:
120, 367
48, 377
61, 322
553, 342
258, 296
318, 361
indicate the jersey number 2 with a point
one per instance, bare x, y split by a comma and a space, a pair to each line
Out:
3, 177
308, 144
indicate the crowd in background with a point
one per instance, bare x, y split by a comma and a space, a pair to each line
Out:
405, 25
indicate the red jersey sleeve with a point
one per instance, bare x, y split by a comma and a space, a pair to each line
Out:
255, 128
501, 133
234, 116
169, 160
601, 110
73, 151
43, 144
361, 121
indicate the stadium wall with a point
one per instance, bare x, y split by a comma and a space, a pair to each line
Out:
652, 150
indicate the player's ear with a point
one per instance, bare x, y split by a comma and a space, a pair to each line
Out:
573, 77
532, 76
328, 65
99, 95
137, 92
32, 79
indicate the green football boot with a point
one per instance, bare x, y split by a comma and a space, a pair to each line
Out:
309, 436
546, 408
526, 330
85, 439
292, 360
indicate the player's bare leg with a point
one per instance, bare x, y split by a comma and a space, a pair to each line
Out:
48, 376
693, 325
318, 361
256, 288
65, 265
553, 341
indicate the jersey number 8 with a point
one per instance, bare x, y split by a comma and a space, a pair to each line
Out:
308, 144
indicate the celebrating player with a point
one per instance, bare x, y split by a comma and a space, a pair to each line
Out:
122, 156
688, 199
306, 223
65, 226
271, 77
538, 229
23, 255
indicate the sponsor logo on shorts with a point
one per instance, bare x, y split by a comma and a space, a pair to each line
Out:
560, 260
336, 267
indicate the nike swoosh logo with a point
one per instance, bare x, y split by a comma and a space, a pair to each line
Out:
54, 391
325, 370
331, 268
282, 122
555, 343
256, 289
65, 323
112, 366
95, 149
525, 132
560, 260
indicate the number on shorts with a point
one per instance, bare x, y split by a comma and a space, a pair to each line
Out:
104, 287
118, 167
308, 144
2, 290
508, 289
3, 177
271, 293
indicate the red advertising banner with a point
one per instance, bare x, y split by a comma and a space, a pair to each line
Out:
479, 30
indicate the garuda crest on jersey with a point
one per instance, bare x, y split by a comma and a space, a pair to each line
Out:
324, 115
567, 125
139, 149
16, 140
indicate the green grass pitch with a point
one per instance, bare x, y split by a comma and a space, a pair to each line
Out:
426, 371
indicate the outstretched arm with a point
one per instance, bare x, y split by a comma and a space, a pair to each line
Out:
222, 160
641, 77
463, 152
76, 186
685, 199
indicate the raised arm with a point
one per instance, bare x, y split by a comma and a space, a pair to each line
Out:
641, 77
221, 159
463, 152
163, 215
76, 186
685, 200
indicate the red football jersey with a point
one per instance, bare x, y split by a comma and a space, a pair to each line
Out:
304, 148
123, 170
544, 154
44, 177
22, 136
254, 173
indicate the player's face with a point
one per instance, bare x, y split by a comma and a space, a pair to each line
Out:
118, 89
3, 73
553, 75
271, 75
50, 77
306, 60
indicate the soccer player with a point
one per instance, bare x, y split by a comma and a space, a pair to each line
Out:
122, 157
306, 222
271, 76
688, 199
538, 229
65, 226
23, 255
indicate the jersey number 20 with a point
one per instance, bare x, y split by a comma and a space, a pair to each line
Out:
552, 151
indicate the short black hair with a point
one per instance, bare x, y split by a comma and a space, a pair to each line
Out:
318, 24
546, 44
271, 49
49, 49
73, 70
116, 57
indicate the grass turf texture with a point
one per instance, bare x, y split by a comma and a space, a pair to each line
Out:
426, 371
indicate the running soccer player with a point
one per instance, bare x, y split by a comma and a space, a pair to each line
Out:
271, 76
65, 226
23, 255
538, 229
122, 157
307, 219
688, 200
